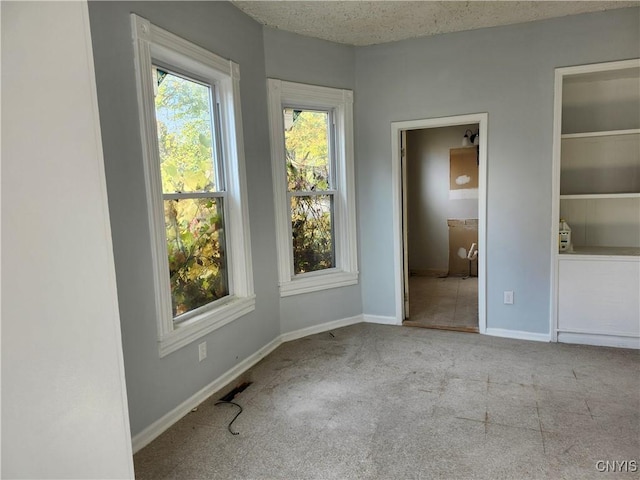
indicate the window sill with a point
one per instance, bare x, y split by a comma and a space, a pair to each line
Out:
205, 323
314, 283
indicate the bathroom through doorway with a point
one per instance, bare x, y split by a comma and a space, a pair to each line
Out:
442, 225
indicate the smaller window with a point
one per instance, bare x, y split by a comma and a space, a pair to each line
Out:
312, 163
307, 144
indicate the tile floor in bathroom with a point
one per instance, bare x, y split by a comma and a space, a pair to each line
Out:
449, 303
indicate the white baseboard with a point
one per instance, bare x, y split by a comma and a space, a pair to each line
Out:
380, 319
518, 334
599, 340
323, 327
154, 430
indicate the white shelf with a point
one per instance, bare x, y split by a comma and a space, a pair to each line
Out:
596, 196
603, 251
609, 133
600, 163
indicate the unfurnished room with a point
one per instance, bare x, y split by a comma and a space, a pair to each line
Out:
320, 239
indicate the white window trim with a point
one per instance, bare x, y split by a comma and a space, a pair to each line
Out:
340, 102
152, 43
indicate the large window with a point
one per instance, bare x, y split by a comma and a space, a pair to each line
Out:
192, 146
312, 164
193, 191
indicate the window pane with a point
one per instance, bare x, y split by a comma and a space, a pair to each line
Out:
306, 139
196, 247
312, 229
185, 134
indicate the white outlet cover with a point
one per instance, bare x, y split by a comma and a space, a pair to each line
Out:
508, 298
202, 351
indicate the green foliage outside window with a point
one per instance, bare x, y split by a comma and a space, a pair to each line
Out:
308, 171
195, 245
194, 226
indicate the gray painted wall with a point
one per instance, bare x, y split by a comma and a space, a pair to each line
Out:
428, 203
156, 385
296, 58
509, 73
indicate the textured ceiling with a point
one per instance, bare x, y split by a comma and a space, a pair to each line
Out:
358, 22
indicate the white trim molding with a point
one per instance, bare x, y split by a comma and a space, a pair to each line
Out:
380, 320
518, 334
323, 327
153, 44
599, 339
482, 119
340, 103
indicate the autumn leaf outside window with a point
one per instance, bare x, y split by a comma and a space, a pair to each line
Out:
313, 185
193, 194
308, 139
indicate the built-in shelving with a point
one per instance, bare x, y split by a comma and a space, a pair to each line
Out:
597, 192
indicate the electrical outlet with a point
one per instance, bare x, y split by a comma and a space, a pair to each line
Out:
202, 351
508, 298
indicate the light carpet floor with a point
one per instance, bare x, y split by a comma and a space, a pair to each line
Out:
384, 402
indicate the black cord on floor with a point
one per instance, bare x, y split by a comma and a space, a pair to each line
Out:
234, 418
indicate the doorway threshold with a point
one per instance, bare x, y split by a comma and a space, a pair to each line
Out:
409, 323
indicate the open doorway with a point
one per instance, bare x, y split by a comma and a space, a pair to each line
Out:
440, 204
440, 221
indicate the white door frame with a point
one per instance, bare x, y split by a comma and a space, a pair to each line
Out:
405, 236
482, 119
